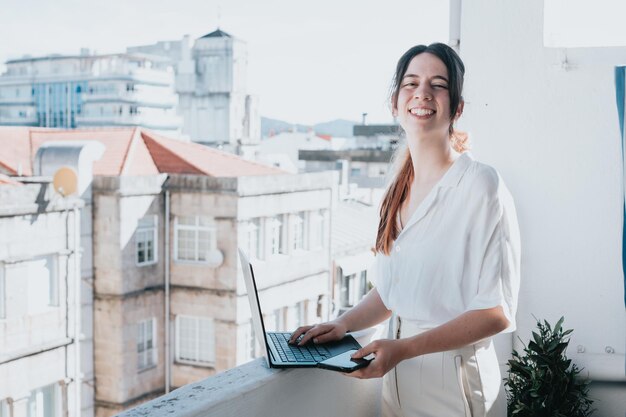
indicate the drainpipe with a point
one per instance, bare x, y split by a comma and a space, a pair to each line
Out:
167, 293
77, 312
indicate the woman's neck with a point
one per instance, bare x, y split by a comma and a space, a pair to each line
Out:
431, 157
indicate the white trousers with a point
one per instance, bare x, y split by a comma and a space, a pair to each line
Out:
458, 383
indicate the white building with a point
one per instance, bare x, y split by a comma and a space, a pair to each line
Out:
39, 275
211, 85
281, 150
89, 90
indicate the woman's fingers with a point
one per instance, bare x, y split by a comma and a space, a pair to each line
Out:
313, 333
299, 331
364, 351
328, 336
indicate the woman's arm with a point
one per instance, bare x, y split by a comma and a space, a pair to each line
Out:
367, 313
468, 328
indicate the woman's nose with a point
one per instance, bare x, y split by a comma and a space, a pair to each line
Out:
422, 92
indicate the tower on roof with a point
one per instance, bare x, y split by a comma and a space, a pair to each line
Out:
218, 33
213, 98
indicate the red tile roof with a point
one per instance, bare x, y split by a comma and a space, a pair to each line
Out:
129, 151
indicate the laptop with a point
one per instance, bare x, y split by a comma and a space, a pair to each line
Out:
278, 353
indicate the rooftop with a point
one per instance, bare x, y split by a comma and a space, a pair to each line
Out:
217, 34
129, 152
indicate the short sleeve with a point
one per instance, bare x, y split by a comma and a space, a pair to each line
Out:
495, 241
381, 278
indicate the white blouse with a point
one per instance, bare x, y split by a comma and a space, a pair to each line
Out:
459, 251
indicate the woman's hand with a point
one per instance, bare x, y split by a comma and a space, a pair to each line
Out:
320, 333
388, 353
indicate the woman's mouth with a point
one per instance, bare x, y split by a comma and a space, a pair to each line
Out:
421, 112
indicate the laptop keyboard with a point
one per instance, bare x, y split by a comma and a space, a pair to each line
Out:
295, 354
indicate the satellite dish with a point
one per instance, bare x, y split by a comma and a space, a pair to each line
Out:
65, 181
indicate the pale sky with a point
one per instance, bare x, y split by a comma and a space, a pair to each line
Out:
308, 62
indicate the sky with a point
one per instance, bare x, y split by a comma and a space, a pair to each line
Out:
308, 62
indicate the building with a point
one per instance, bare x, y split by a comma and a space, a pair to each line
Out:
213, 98
170, 306
39, 275
353, 239
376, 136
74, 91
281, 150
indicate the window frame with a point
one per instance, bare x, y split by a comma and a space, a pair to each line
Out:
254, 227
297, 222
196, 228
150, 355
212, 342
155, 240
55, 391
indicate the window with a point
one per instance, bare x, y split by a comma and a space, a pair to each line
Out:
2, 294
195, 237
195, 340
146, 241
4, 408
254, 238
251, 341
297, 231
275, 230
279, 319
301, 313
317, 229
43, 402
353, 288
146, 344
43, 286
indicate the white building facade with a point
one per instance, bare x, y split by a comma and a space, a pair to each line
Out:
89, 90
212, 92
40, 374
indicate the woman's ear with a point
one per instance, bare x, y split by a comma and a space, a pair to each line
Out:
459, 110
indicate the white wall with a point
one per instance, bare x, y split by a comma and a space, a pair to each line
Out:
553, 134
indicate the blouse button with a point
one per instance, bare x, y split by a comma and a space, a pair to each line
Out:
397, 248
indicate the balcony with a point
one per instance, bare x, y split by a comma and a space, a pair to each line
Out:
25, 101
253, 389
165, 122
160, 100
18, 121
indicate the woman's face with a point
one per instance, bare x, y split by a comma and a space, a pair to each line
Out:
423, 100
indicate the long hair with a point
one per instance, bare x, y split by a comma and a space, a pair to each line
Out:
402, 165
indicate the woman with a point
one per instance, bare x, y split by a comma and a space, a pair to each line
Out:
447, 264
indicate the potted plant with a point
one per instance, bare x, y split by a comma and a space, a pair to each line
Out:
543, 381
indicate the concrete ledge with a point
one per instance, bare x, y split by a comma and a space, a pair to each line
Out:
255, 390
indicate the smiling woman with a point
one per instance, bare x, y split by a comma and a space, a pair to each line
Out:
447, 263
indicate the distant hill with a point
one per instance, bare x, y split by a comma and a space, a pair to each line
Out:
277, 126
339, 127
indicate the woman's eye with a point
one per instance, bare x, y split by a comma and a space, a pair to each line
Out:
409, 85
440, 86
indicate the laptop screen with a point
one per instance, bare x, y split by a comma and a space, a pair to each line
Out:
255, 306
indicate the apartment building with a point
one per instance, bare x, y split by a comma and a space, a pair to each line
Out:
39, 307
87, 90
170, 306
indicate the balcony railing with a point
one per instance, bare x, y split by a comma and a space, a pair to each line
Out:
253, 389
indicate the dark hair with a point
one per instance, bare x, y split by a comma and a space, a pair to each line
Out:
399, 187
453, 63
